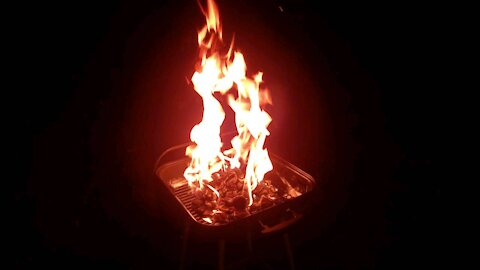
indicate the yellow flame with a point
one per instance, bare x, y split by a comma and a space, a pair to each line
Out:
218, 73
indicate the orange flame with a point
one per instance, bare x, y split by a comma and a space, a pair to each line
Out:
219, 73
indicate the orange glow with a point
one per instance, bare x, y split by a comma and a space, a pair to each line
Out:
220, 73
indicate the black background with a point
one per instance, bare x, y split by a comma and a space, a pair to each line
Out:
103, 91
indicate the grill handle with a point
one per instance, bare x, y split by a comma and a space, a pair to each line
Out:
179, 150
282, 224
175, 150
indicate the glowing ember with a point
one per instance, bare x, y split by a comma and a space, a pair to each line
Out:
221, 73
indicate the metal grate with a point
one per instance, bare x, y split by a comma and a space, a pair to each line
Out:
183, 193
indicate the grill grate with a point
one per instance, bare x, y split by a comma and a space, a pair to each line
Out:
183, 193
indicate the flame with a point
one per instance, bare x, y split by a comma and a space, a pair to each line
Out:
220, 73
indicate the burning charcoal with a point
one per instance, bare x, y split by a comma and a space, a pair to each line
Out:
228, 201
230, 176
210, 205
264, 202
220, 217
234, 197
231, 184
272, 197
201, 208
240, 203
239, 173
209, 196
254, 207
224, 208
258, 189
199, 194
239, 185
216, 176
197, 202
258, 201
227, 210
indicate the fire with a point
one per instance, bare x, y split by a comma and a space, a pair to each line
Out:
222, 72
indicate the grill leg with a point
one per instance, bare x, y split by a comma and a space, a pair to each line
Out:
249, 241
288, 248
183, 255
221, 254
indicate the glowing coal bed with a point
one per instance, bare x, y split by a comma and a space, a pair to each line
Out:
225, 199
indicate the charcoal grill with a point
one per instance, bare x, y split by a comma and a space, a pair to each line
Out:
172, 163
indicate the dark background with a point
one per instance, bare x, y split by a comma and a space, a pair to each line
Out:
103, 91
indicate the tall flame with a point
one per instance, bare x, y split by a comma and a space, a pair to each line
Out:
220, 73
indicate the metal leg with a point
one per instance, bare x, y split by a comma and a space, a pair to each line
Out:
289, 251
183, 255
249, 242
221, 254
